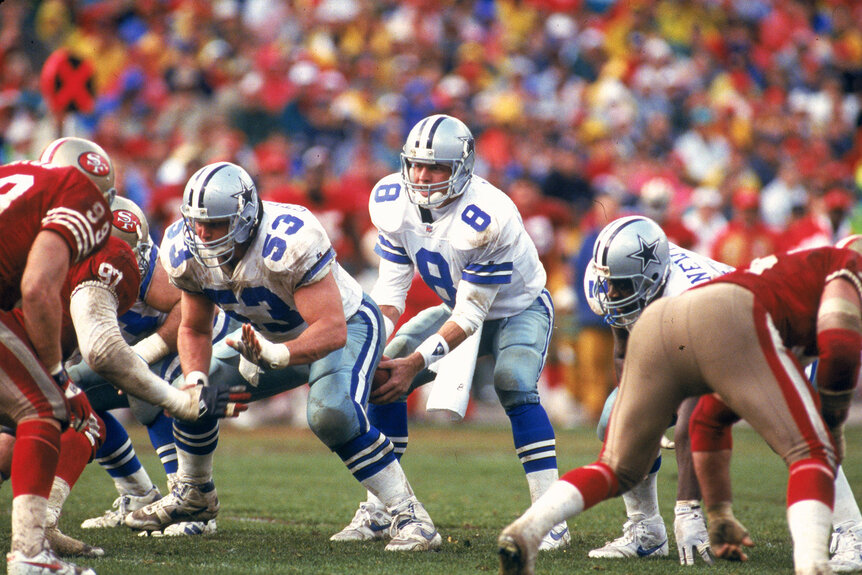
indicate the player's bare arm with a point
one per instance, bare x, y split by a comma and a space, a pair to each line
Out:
47, 265
194, 335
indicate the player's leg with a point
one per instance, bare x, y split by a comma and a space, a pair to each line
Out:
846, 543
520, 345
340, 384
117, 455
636, 425
30, 398
644, 533
766, 386
372, 519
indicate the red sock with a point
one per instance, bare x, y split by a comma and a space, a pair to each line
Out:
596, 482
34, 459
76, 451
811, 479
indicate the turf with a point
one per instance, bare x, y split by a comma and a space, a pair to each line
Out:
283, 494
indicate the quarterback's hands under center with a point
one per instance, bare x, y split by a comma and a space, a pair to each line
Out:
401, 374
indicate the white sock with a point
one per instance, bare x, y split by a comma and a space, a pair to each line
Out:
540, 481
193, 468
810, 523
138, 483
846, 510
560, 501
59, 492
28, 524
389, 485
642, 500
373, 499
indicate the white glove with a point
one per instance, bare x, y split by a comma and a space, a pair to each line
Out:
249, 371
692, 538
259, 350
666, 443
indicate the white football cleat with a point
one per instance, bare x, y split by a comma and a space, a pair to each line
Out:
44, 563
557, 538
846, 549
412, 528
644, 538
123, 505
187, 502
185, 528
370, 522
692, 538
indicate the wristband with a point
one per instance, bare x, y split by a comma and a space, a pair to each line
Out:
196, 378
433, 349
152, 348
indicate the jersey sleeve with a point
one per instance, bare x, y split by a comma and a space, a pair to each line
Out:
79, 213
297, 248
176, 259
113, 268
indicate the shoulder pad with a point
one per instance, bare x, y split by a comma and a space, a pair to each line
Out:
291, 234
484, 212
387, 203
173, 253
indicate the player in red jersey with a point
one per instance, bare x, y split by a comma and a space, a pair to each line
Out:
744, 336
53, 214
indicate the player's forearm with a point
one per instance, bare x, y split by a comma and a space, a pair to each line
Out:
103, 348
195, 349
42, 320
319, 340
450, 336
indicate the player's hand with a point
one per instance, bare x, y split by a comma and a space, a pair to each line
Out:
692, 538
259, 350
211, 400
397, 384
727, 535
666, 443
80, 410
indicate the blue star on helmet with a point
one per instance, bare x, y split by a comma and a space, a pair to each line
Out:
646, 253
246, 193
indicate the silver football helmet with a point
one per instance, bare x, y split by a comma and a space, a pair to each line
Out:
630, 265
88, 157
220, 192
130, 225
438, 139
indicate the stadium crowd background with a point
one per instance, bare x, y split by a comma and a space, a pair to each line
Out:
734, 123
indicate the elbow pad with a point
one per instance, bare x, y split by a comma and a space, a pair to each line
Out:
838, 359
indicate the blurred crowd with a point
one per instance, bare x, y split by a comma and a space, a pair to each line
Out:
733, 123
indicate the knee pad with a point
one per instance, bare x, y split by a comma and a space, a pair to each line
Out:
331, 416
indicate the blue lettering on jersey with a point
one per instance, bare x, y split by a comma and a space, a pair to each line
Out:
693, 271
387, 192
274, 246
136, 324
284, 318
475, 218
434, 270
178, 253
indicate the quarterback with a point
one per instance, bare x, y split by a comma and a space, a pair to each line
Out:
467, 241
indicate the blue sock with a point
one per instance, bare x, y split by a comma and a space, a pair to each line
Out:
117, 455
199, 438
367, 454
391, 420
534, 437
161, 432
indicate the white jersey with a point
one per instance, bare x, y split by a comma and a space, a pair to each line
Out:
687, 269
141, 320
479, 238
290, 250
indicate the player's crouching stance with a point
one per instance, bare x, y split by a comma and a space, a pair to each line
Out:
305, 320
466, 239
733, 336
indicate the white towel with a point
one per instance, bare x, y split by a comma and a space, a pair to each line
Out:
450, 391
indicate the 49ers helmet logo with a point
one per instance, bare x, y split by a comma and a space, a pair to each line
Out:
126, 221
94, 163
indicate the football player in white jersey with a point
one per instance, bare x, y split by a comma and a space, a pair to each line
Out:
272, 267
633, 264
466, 239
150, 326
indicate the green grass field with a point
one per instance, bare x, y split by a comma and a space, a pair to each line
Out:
283, 494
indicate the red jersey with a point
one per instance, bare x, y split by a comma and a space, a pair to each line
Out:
36, 197
114, 266
790, 286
